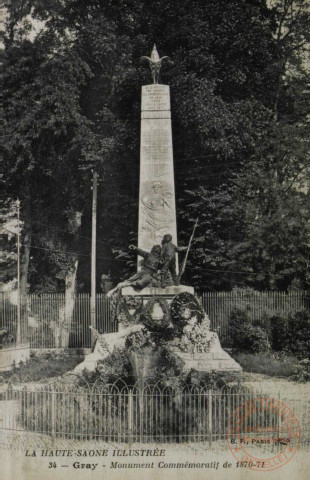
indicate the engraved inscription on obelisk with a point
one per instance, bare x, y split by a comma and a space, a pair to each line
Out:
157, 213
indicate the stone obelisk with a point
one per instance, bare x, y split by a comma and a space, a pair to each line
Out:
157, 212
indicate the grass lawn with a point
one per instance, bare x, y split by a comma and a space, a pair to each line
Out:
269, 364
44, 365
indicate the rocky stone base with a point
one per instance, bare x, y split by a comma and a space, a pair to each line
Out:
104, 346
208, 361
174, 310
216, 359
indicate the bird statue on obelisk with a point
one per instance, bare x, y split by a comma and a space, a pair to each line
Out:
154, 63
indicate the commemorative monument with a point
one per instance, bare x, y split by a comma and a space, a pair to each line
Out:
155, 313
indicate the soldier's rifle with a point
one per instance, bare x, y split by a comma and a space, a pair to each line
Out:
182, 269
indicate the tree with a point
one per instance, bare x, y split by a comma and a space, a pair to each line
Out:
45, 132
257, 225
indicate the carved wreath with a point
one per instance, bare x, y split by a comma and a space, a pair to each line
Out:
202, 338
198, 337
185, 302
122, 307
138, 340
146, 316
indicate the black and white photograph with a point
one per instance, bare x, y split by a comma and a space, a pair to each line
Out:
155, 237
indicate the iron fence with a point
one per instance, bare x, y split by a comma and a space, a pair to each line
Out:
48, 326
259, 305
141, 413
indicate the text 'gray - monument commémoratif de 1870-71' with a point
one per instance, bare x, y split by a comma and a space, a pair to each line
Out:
153, 299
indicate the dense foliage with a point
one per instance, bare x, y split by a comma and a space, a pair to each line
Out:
239, 86
246, 337
285, 335
298, 337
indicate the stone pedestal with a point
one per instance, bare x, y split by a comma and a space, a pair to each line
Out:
12, 357
167, 293
157, 212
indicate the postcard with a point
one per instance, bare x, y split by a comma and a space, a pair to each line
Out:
155, 288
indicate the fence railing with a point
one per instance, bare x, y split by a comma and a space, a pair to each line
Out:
144, 413
219, 306
48, 322
48, 326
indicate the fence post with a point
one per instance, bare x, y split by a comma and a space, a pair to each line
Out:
210, 416
53, 419
130, 416
279, 420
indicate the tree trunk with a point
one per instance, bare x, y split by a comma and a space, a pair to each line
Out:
62, 334
67, 310
24, 264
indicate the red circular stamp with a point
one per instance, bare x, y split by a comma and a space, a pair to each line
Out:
263, 434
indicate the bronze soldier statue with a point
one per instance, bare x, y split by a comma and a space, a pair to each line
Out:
147, 274
167, 259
